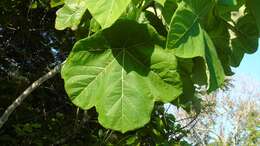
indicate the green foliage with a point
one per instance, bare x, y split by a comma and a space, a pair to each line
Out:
168, 10
70, 14
189, 40
29, 48
246, 40
228, 2
106, 12
253, 6
125, 67
56, 3
130, 56
160, 2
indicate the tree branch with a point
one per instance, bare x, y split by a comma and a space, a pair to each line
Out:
27, 92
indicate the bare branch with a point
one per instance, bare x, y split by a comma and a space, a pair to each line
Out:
27, 92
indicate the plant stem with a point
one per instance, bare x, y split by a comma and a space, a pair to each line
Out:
26, 93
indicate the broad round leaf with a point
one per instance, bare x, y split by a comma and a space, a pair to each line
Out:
121, 71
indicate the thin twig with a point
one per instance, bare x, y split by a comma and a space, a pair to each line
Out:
26, 93
108, 136
186, 118
195, 118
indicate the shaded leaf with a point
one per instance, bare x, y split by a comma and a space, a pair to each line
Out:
156, 23
254, 6
228, 2
237, 53
199, 75
188, 40
224, 10
217, 75
187, 100
247, 36
168, 10
221, 38
246, 40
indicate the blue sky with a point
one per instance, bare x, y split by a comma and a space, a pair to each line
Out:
250, 66
247, 80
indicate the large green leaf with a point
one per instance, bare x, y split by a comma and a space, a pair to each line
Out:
247, 36
185, 32
70, 14
254, 6
106, 12
188, 40
121, 71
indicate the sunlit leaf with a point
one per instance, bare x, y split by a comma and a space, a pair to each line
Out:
106, 12
70, 14
160, 1
185, 35
121, 71
55, 3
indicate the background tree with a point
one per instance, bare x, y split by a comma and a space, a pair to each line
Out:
229, 117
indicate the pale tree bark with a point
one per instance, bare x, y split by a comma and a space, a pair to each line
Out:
27, 92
